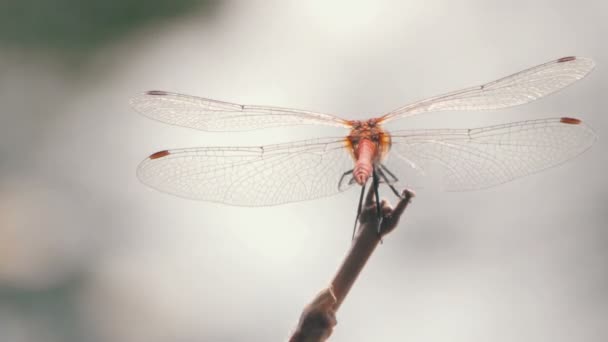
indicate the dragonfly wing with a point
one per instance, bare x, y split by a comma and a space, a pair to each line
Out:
250, 176
211, 115
483, 157
522, 87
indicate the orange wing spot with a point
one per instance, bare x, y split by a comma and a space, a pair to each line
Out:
385, 145
381, 119
159, 154
348, 144
157, 92
566, 59
570, 121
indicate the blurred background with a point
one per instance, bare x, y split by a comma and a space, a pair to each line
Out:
88, 253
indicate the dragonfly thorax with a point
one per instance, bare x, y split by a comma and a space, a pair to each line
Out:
368, 143
372, 131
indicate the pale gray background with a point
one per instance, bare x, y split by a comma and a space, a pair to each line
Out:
87, 253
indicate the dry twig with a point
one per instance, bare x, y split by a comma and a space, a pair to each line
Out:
319, 316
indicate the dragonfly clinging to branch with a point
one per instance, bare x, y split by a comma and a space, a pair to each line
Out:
303, 170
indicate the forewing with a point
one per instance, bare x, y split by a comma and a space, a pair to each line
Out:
483, 157
519, 88
211, 115
250, 176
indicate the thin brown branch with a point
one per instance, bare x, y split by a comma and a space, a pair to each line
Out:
319, 316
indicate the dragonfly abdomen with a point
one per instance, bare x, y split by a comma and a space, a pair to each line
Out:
366, 152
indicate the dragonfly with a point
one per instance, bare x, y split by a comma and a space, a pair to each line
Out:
294, 171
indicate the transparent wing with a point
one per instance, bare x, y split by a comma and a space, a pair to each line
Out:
519, 88
250, 176
211, 115
484, 157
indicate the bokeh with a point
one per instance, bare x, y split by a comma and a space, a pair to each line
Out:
88, 253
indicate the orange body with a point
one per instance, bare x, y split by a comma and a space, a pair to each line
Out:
369, 144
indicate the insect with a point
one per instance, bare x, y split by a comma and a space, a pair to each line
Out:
303, 170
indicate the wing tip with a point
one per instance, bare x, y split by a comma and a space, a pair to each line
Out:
584, 60
137, 101
157, 93
570, 121
566, 59
591, 138
159, 154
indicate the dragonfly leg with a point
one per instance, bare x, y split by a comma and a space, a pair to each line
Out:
350, 172
358, 209
388, 182
385, 169
375, 184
